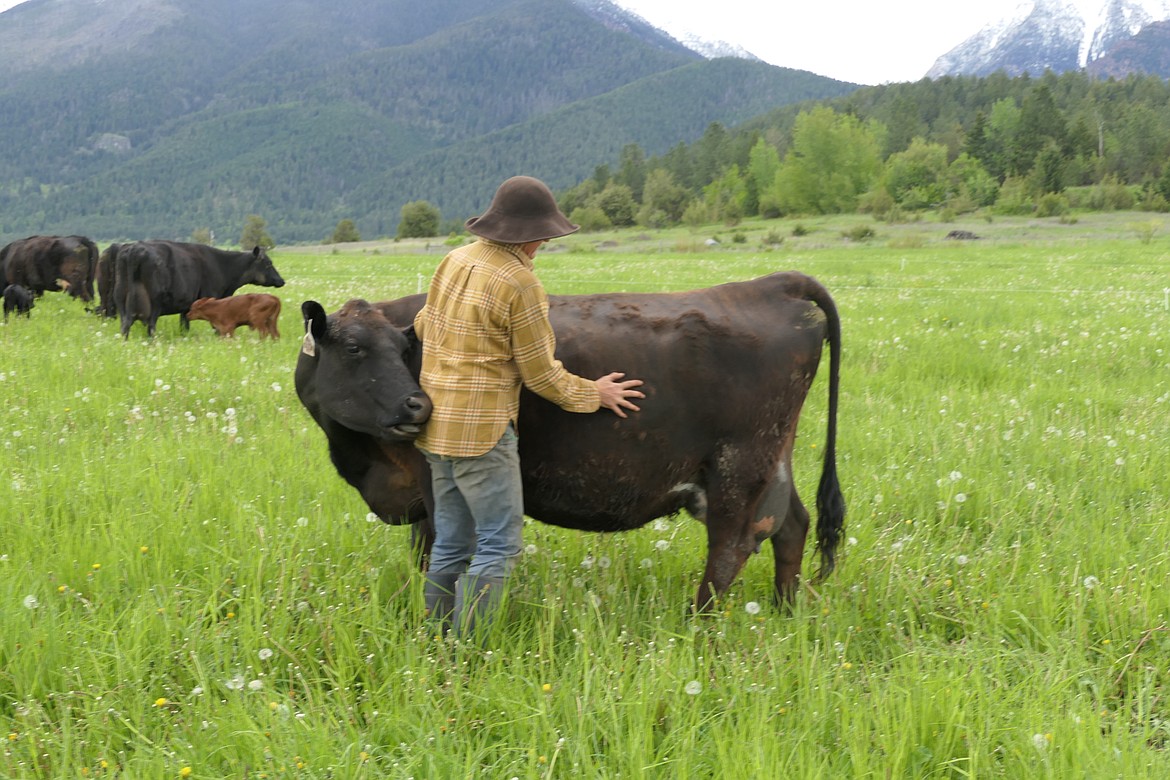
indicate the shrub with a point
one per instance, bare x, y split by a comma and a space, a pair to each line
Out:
1052, 204
590, 218
1145, 230
419, 219
345, 232
859, 233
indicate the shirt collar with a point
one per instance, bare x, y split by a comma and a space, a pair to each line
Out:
514, 250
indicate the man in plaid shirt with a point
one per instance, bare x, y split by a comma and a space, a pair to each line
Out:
485, 332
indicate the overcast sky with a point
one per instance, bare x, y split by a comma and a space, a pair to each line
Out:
861, 41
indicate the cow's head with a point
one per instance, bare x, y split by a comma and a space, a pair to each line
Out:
198, 310
261, 271
74, 273
361, 371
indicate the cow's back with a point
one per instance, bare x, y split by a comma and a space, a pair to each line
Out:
725, 372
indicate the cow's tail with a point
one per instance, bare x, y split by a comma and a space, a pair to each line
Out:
830, 501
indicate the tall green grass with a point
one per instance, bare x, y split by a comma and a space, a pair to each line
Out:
187, 586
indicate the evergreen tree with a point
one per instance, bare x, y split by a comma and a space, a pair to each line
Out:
632, 171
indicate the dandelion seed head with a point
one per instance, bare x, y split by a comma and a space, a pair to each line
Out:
752, 607
1091, 582
693, 688
31, 602
265, 653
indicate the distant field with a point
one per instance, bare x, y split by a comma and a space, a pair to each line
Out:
187, 586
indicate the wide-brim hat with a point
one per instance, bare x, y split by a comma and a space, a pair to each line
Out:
522, 210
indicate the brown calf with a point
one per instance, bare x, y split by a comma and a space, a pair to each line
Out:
260, 311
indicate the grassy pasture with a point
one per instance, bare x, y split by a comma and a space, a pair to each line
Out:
188, 589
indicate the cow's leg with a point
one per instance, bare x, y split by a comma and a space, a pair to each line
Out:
726, 555
732, 534
732, 539
788, 543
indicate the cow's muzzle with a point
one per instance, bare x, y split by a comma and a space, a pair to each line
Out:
413, 413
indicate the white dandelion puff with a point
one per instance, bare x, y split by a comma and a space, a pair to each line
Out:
693, 688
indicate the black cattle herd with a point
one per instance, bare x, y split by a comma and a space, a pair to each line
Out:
136, 282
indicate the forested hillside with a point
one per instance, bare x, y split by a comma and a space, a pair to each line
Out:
149, 117
1019, 145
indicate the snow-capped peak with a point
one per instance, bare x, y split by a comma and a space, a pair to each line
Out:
1057, 34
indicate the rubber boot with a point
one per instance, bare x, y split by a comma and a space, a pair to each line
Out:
439, 598
477, 600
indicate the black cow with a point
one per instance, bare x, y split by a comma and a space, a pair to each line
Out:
104, 279
155, 278
17, 299
726, 372
45, 263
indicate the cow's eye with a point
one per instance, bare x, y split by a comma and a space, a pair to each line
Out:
353, 348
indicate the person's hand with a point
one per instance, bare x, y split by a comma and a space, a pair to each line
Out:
616, 392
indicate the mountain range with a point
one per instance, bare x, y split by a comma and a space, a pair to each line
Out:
1110, 38
156, 118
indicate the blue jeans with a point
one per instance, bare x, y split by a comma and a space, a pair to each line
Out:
479, 510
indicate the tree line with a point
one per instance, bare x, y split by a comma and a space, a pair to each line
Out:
957, 144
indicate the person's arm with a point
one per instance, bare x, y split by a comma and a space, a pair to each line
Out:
533, 348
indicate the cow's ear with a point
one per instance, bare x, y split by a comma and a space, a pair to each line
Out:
255, 251
315, 317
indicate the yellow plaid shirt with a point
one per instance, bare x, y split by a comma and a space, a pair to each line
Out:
485, 331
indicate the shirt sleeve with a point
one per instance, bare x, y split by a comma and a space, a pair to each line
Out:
420, 323
533, 347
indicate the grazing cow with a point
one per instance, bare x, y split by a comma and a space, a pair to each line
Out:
104, 279
259, 311
726, 372
155, 278
45, 263
17, 298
